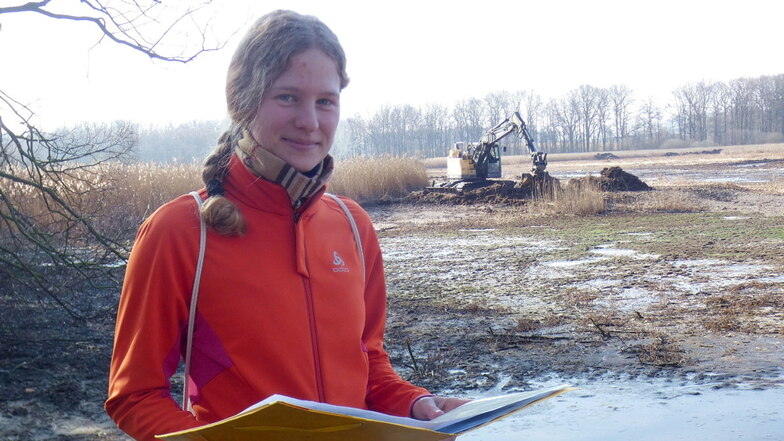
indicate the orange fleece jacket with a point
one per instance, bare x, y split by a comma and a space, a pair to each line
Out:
283, 309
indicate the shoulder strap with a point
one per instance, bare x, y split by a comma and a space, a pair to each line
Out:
186, 402
357, 238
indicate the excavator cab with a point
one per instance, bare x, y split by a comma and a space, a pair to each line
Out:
462, 162
491, 168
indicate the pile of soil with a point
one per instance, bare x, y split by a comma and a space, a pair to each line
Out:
704, 152
603, 156
612, 179
491, 191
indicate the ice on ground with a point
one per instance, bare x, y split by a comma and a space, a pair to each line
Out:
644, 410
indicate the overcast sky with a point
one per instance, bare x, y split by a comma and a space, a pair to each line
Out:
406, 52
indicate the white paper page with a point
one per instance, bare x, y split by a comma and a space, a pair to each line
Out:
483, 405
468, 410
343, 410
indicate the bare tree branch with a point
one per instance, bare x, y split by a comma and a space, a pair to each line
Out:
126, 30
64, 233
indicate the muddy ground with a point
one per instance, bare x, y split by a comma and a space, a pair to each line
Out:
683, 281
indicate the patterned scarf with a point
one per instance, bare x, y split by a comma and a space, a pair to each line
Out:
262, 163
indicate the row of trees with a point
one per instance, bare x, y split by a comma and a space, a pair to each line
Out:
743, 111
183, 143
588, 118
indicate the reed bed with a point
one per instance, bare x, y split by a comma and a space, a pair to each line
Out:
144, 187
367, 179
112, 197
586, 200
116, 197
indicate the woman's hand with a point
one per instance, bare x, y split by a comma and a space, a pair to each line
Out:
427, 408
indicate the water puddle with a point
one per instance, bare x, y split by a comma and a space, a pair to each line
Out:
456, 248
737, 180
609, 250
628, 300
570, 263
725, 268
639, 234
644, 410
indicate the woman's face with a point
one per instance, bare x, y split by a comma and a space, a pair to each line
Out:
297, 118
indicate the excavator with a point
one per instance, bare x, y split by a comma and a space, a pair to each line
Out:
475, 164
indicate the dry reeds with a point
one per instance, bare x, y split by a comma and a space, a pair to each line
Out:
144, 187
116, 197
113, 197
570, 200
434, 162
370, 179
666, 201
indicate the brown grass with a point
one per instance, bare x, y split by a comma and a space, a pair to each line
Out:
738, 308
113, 197
117, 197
145, 187
588, 200
661, 352
665, 201
370, 179
774, 186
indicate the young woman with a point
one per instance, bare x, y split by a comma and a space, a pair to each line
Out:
286, 303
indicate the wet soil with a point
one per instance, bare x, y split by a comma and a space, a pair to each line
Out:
611, 179
684, 281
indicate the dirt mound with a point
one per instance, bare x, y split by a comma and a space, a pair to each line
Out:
704, 152
612, 179
490, 191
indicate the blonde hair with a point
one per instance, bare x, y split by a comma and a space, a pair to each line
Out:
261, 57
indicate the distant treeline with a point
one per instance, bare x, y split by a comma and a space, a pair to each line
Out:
588, 118
185, 143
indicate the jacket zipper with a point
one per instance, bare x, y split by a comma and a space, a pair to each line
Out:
314, 340
313, 333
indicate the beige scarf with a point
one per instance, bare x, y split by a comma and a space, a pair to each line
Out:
262, 163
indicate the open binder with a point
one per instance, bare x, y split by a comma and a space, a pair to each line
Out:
281, 418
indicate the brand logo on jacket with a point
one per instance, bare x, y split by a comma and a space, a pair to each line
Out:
339, 262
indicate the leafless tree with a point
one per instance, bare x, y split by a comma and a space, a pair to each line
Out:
649, 123
692, 101
438, 128
565, 121
55, 235
585, 98
469, 119
146, 26
532, 107
721, 105
603, 115
620, 101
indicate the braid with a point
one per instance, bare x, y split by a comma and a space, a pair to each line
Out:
218, 211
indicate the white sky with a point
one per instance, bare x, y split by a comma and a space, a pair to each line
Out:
406, 52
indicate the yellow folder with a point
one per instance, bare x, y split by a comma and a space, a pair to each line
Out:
281, 421
280, 418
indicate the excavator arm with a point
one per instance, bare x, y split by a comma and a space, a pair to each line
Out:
512, 124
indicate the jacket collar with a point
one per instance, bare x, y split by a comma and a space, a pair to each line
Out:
264, 164
250, 190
